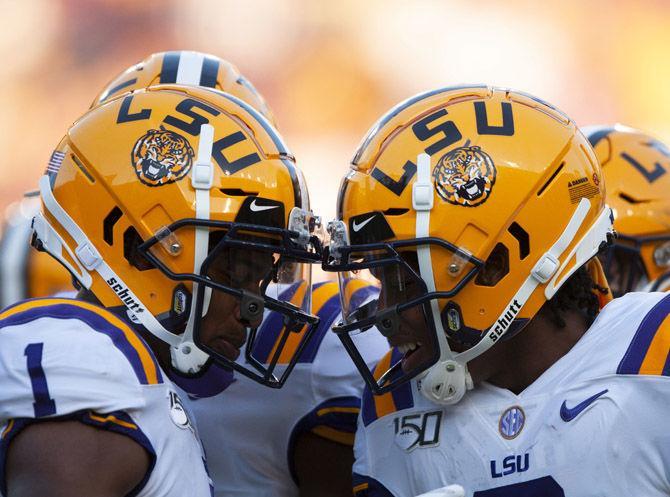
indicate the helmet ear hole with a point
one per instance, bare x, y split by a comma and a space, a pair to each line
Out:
131, 242
495, 268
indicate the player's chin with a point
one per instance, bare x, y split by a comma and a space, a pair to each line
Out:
228, 342
225, 348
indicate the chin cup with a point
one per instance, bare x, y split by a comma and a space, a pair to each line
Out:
188, 358
446, 382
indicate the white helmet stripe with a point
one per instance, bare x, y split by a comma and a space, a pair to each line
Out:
201, 180
422, 201
189, 70
458, 380
188, 357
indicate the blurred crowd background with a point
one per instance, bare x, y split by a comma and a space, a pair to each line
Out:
329, 69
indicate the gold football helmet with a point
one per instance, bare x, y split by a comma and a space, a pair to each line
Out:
24, 272
469, 207
172, 197
186, 68
635, 166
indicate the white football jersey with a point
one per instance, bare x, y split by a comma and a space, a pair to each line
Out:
63, 358
249, 431
594, 424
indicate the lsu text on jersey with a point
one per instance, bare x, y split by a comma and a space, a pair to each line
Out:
593, 424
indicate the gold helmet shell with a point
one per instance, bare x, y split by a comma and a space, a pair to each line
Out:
147, 191
635, 166
484, 200
186, 67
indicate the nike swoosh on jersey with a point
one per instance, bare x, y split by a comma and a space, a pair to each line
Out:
568, 414
358, 227
258, 208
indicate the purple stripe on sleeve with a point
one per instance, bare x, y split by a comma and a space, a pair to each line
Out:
632, 360
94, 321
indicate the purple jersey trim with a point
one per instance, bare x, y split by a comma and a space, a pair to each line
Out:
97, 323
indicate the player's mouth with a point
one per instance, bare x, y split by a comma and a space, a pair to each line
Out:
415, 353
229, 345
226, 349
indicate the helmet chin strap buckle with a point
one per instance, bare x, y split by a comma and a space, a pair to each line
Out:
446, 382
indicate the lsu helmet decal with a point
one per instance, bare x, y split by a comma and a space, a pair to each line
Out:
635, 166
161, 156
465, 176
24, 272
189, 213
185, 67
468, 207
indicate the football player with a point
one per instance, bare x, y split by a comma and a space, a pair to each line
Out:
635, 167
296, 440
478, 211
26, 273
181, 214
189, 68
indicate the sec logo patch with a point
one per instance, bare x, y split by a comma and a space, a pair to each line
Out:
511, 422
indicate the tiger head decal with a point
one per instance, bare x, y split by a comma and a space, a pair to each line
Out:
465, 176
161, 157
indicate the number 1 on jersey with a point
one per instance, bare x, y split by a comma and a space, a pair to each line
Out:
44, 405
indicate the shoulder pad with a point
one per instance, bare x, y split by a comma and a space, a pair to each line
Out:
59, 356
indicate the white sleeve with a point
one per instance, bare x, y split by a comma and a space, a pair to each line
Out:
361, 450
55, 367
336, 384
365, 482
643, 440
334, 373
